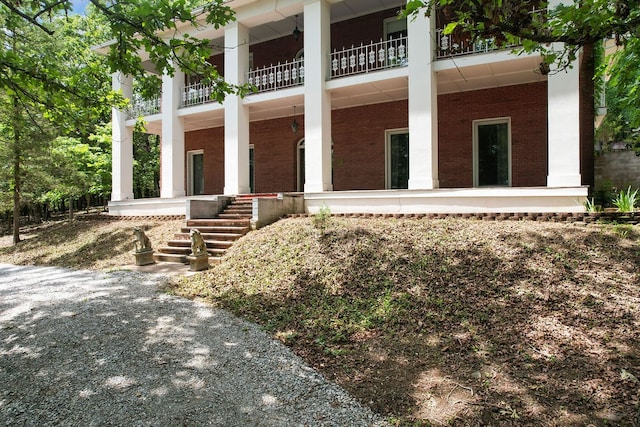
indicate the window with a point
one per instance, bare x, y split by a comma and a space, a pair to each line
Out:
252, 170
195, 172
394, 28
300, 154
397, 159
492, 152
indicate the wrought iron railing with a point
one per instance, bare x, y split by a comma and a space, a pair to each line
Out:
450, 45
278, 76
366, 58
196, 94
140, 107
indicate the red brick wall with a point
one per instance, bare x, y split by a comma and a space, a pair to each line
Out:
274, 150
363, 29
358, 136
526, 105
211, 141
279, 50
358, 144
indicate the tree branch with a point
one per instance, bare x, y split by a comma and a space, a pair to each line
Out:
26, 17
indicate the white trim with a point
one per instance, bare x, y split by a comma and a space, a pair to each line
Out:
190, 155
493, 121
387, 151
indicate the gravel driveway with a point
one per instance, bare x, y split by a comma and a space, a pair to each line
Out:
87, 348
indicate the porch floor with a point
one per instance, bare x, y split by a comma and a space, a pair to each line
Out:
436, 201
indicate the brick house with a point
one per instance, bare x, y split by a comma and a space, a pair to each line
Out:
390, 116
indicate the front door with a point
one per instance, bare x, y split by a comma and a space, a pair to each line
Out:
492, 153
397, 159
196, 173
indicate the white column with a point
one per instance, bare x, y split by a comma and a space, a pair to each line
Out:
423, 104
172, 157
317, 101
122, 144
563, 98
236, 114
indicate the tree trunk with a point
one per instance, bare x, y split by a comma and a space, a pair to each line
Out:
70, 209
16, 172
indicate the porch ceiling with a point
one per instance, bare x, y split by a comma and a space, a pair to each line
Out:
280, 20
370, 92
204, 120
472, 73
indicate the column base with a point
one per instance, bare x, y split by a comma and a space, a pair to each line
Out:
423, 184
118, 197
564, 181
321, 188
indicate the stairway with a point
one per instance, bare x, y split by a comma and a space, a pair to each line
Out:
218, 233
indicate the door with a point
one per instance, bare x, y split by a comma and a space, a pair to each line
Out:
195, 172
397, 159
492, 153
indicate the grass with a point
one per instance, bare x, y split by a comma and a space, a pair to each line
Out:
430, 322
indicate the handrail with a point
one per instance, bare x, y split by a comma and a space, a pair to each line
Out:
277, 76
371, 57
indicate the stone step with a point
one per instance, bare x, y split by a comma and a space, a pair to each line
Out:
182, 243
169, 257
239, 209
184, 251
260, 195
226, 222
235, 216
218, 230
231, 237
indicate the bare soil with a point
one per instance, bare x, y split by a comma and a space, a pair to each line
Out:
429, 322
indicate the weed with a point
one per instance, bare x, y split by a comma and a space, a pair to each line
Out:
623, 230
625, 201
322, 219
591, 206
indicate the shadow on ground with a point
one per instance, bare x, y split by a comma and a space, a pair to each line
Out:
453, 322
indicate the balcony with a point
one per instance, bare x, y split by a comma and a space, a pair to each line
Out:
450, 45
197, 94
368, 58
140, 107
275, 77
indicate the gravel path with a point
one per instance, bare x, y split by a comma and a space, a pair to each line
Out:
87, 348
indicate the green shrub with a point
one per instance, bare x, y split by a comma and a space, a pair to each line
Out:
625, 201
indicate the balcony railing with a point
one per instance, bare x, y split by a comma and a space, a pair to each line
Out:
367, 58
196, 94
450, 45
143, 107
278, 76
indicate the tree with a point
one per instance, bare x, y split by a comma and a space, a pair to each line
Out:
133, 26
43, 94
537, 26
558, 33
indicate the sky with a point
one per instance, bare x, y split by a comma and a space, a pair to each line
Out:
79, 5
